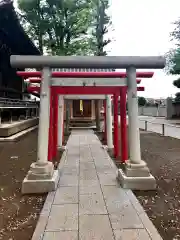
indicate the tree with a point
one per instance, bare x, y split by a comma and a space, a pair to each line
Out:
66, 27
101, 26
173, 57
174, 62
141, 101
177, 97
31, 18
59, 27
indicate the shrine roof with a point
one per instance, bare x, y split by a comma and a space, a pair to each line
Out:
12, 33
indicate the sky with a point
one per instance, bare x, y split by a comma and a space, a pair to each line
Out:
142, 28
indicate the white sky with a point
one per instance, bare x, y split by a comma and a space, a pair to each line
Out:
142, 27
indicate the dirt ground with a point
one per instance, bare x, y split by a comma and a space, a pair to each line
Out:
18, 214
162, 155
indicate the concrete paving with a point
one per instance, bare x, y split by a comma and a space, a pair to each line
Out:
171, 128
89, 204
160, 120
161, 125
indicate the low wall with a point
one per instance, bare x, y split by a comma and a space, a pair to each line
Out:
176, 110
14, 128
171, 110
153, 111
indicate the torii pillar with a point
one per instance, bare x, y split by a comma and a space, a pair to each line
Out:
109, 122
136, 174
60, 122
42, 177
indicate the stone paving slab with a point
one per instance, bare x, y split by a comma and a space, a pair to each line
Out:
89, 203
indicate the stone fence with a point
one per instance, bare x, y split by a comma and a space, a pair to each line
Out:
171, 110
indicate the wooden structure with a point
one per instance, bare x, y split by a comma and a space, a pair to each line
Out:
13, 40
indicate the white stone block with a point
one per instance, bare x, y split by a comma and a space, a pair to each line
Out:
40, 186
136, 183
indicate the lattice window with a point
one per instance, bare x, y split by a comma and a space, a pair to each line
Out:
82, 70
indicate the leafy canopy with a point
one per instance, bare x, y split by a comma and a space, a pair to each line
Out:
66, 27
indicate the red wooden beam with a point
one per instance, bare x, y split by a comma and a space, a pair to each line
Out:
38, 80
124, 142
138, 80
83, 90
116, 142
140, 89
85, 74
79, 90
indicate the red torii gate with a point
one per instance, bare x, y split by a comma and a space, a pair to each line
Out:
93, 91
88, 90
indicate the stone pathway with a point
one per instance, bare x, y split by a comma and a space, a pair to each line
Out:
89, 204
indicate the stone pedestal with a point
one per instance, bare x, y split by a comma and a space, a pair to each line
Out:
40, 179
136, 177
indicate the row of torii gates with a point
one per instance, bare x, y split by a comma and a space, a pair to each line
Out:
56, 134
42, 177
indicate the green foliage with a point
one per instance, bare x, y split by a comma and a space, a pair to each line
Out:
175, 34
173, 58
176, 83
177, 97
101, 24
66, 27
141, 101
175, 62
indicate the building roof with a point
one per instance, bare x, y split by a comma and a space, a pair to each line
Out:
12, 33
13, 41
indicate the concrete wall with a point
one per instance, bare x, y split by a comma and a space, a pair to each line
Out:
153, 111
176, 110
169, 111
18, 127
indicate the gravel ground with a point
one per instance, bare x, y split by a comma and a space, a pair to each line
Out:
18, 214
162, 155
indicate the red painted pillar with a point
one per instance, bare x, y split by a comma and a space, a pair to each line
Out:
105, 127
116, 144
50, 145
63, 124
124, 146
55, 124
